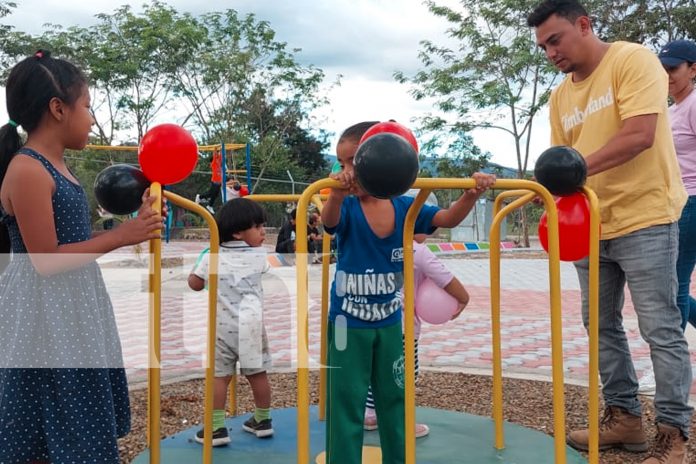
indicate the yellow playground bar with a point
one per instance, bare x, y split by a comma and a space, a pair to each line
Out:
519, 192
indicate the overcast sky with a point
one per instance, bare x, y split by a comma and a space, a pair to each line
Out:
365, 41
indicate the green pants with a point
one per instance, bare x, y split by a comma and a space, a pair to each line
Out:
356, 359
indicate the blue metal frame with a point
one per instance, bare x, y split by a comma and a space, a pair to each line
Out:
223, 166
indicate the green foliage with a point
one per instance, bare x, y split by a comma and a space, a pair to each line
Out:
5, 8
490, 75
223, 76
5, 30
465, 159
245, 85
87, 164
652, 23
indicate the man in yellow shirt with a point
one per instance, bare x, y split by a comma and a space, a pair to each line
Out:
612, 108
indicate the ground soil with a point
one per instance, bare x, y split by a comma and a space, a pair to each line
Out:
528, 403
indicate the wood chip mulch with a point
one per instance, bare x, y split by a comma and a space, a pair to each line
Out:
527, 403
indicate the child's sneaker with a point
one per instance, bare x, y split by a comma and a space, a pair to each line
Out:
260, 429
198, 199
220, 436
210, 208
422, 430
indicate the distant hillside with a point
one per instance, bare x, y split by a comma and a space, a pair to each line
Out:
502, 171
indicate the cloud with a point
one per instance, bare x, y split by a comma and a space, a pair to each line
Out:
365, 41
363, 38
360, 38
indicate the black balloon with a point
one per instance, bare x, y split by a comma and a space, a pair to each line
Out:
561, 169
386, 165
119, 188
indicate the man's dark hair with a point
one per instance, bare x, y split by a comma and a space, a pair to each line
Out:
568, 9
237, 215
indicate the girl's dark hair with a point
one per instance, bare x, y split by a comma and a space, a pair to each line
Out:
568, 9
237, 215
356, 131
31, 85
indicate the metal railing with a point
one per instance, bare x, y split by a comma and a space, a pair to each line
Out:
526, 190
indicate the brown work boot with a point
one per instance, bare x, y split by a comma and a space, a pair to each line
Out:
617, 429
669, 448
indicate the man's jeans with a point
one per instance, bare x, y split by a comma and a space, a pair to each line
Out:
686, 261
646, 261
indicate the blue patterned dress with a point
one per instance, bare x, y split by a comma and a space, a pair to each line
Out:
63, 389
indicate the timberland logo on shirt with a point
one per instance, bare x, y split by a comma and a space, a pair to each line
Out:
397, 255
577, 116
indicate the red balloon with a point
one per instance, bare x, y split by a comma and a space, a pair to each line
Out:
244, 191
168, 153
393, 128
573, 227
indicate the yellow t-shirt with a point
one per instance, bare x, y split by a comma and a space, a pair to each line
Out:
628, 82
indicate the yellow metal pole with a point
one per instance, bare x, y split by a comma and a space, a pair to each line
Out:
593, 330
135, 148
302, 316
494, 256
155, 297
409, 334
504, 195
287, 197
302, 329
212, 317
325, 263
316, 199
556, 327
554, 282
273, 197
429, 184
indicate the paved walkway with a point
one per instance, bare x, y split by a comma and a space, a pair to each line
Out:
464, 344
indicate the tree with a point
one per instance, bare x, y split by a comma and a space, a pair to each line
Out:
5, 10
130, 60
650, 22
493, 77
225, 77
462, 160
246, 85
133, 60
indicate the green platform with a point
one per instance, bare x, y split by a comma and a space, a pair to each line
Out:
454, 438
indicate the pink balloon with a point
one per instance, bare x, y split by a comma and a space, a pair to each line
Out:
433, 304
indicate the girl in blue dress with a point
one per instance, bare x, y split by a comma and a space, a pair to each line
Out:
63, 390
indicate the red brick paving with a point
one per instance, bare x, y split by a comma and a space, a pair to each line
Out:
460, 344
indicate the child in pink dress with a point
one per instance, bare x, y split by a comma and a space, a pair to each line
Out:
426, 265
